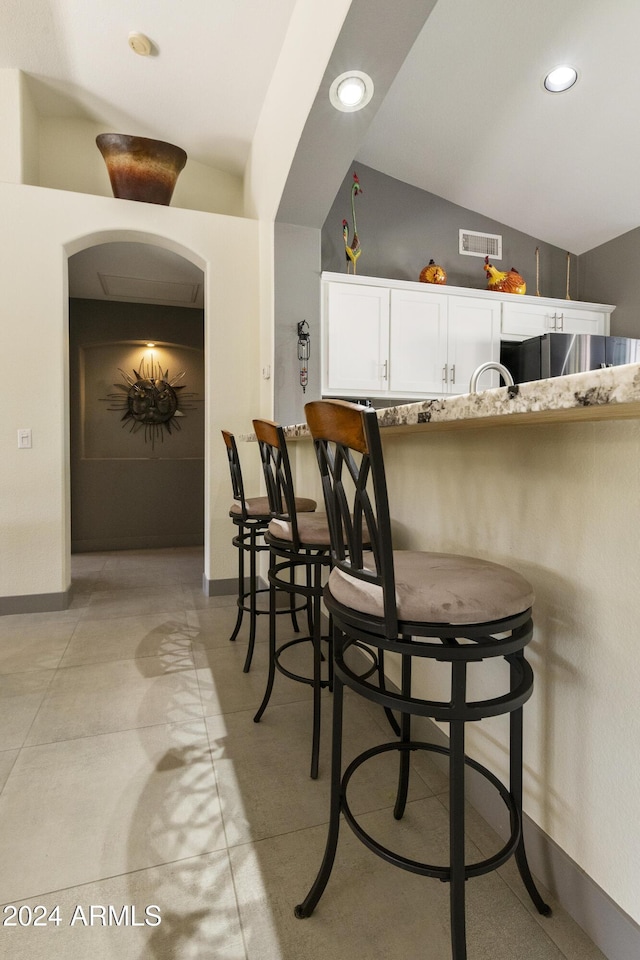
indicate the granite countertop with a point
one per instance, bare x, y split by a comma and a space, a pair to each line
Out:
607, 394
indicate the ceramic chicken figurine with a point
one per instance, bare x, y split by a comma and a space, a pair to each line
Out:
501, 281
353, 251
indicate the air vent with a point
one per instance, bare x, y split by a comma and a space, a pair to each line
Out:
474, 244
139, 288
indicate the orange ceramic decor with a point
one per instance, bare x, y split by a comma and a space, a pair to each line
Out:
432, 273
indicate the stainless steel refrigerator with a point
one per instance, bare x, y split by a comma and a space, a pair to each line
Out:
557, 354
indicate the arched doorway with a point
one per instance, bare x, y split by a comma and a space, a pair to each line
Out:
136, 397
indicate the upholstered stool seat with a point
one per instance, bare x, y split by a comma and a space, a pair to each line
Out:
438, 588
313, 531
258, 507
251, 516
427, 608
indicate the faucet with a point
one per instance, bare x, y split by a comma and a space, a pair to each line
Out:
490, 365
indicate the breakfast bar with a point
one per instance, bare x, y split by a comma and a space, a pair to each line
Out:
609, 394
543, 477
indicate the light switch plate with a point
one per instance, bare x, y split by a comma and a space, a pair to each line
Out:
24, 439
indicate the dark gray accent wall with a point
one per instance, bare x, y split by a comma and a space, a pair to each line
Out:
401, 228
610, 274
297, 297
132, 496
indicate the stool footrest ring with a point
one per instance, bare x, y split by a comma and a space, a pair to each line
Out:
415, 866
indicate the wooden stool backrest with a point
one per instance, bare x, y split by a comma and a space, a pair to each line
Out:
349, 453
277, 474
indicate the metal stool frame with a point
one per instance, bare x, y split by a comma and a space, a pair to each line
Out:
249, 539
340, 430
287, 557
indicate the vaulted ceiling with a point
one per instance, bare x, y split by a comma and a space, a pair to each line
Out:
466, 117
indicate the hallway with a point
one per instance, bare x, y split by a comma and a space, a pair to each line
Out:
133, 777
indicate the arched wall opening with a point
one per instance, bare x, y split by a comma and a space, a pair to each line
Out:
136, 393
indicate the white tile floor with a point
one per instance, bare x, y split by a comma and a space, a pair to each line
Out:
132, 774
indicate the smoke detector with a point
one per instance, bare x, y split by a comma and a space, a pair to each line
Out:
140, 44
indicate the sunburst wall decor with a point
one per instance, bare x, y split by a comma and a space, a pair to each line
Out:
152, 402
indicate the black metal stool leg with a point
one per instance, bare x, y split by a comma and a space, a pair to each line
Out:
405, 737
309, 600
456, 842
252, 598
515, 736
240, 542
316, 635
457, 819
393, 723
292, 600
308, 905
272, 649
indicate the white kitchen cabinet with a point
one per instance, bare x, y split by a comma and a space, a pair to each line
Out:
417, 343
402, 340
521, 319
355, 339
474, 338
437, 341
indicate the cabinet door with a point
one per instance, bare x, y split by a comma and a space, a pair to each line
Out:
356, 338
417, 342
527, 320
580, 321
474, 338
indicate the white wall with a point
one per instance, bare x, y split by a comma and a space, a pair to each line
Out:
39, 229
559, 504
11, 146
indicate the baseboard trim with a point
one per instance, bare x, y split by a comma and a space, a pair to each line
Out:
34, 603
147, 542
220, 588
228, 587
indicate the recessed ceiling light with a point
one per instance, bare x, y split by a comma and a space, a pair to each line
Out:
351, 91
560, 79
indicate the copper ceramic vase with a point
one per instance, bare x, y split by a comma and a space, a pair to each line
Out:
139, 168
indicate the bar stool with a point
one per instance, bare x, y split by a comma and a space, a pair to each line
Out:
252, 516
423, 606
297, 542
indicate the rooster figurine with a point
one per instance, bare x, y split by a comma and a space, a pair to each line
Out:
501, 281
352, 252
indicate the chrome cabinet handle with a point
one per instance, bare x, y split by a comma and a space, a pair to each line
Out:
561, 319
445, 373
453, 373
385, 375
